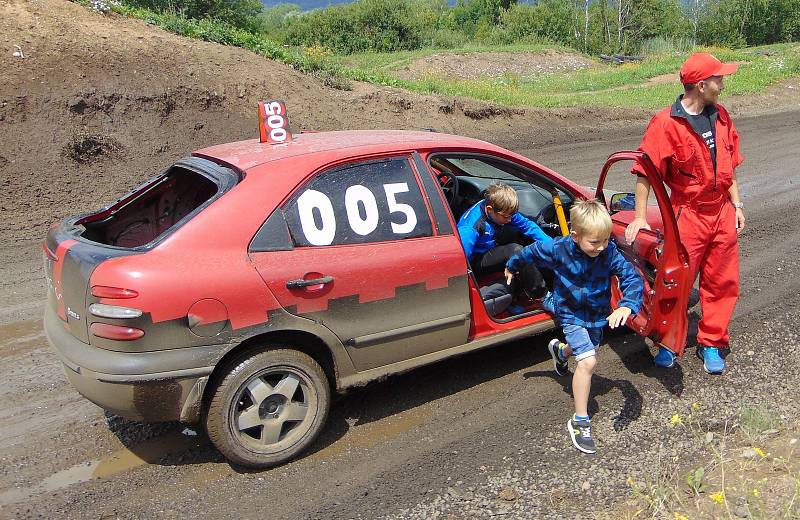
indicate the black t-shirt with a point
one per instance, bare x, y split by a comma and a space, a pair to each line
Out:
701, 123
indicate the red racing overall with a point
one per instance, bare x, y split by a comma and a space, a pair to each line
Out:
706, 218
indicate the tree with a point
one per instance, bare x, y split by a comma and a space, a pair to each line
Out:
241, 13
367, 25
658, 18
552, 20
272, 19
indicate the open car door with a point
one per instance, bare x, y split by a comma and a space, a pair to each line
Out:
660, 257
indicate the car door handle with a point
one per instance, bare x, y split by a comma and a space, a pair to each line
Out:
299, 284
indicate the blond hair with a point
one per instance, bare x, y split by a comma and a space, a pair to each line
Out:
588, 216
502, 198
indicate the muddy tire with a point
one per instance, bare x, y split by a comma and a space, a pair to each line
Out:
268, 407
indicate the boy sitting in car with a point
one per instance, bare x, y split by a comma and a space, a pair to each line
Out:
479, 228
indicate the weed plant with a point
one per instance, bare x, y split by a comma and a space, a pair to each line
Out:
749, 469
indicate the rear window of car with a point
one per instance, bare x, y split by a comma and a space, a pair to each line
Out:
160, 205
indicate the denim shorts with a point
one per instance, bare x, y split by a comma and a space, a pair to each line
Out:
581, 340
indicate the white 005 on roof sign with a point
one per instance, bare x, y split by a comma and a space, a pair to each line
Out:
273, 123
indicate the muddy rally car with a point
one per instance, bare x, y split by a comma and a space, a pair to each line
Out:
245, 283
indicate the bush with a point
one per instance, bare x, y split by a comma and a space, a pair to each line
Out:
333, 81
550, 20
271, 21
240, 13
470, 15
503, 36
367, 25
664, 45
447, 39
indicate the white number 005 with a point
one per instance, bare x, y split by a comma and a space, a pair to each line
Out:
275, 121
323, 236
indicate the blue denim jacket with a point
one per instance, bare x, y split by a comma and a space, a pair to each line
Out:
582, 288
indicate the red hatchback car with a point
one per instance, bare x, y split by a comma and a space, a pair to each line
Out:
245, 283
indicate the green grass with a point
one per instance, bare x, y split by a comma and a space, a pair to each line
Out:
756, 420
621, 86
603, 85
387, 62
219, 32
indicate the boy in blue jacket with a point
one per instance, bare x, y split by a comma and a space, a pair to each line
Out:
479, 228
581, 299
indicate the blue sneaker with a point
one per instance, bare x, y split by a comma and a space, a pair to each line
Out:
581, 434
665, 358
712, 361
556, 352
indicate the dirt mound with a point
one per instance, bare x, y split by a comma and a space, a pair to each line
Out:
88, 86
493, 64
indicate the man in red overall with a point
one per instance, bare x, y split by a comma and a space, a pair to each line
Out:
695, 147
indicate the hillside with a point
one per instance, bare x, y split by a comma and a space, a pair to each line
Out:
129, 98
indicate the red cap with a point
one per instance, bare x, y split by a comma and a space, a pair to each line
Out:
702, 65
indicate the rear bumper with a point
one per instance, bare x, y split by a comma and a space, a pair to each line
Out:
163, 385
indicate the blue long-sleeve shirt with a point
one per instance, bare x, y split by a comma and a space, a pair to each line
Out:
478, 231
582, 287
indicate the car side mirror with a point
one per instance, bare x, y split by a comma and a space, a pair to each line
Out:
622, 202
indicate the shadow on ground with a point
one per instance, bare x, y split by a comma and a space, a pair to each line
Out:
371, 403
632, 399
404, 392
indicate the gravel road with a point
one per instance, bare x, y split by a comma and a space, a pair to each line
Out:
481, 436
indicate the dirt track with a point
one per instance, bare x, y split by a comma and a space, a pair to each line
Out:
397, 445
443, 439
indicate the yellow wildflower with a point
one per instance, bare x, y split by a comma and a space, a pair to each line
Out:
679, 516
675, 420
718, 497
756, 493
695, 406
629, 482
317, 51
760, 452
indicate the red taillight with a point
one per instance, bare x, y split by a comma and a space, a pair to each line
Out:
115, 332
103, 291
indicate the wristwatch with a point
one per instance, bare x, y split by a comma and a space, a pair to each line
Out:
738, 205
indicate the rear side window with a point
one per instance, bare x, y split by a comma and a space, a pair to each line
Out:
374, 201
152, 210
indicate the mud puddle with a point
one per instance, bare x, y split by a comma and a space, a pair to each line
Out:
121, 461
21, 337
373, 434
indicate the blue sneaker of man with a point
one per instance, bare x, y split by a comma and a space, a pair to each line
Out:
665, 358
712, 361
